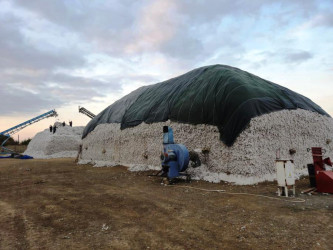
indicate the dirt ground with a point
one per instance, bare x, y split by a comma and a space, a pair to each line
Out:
56, 204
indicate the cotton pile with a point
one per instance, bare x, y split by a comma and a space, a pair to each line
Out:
65, 142
250, 160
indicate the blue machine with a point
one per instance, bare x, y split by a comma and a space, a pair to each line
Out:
175, 157
22, 125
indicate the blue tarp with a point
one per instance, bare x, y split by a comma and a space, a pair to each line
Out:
26, 157
1, 157
22, 157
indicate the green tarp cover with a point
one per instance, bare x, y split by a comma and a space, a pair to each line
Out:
218, 95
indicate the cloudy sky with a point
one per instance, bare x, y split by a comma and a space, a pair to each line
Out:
62, 54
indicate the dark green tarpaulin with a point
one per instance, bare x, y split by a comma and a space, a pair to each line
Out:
218, 95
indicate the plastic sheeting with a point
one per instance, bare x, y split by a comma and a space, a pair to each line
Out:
218, 95
17, 156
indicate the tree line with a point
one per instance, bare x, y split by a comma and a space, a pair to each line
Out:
11, 141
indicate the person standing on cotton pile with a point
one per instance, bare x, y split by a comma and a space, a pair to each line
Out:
51, 128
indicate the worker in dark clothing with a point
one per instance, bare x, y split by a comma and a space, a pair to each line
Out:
54, 129
51, 128
63, 124
70, 123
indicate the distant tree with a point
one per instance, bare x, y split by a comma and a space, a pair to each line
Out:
10, 141
25, 142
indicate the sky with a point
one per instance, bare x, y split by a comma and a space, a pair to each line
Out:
69, 53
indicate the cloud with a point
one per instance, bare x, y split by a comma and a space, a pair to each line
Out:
106, 26
31, 91
30, 94
322, 20
33, 53
297, 56
177, 29
154, 26
20, 101
63, 52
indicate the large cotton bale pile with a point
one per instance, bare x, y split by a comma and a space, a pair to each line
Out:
235, 121
65, 142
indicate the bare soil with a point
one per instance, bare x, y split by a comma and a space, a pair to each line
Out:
56, 204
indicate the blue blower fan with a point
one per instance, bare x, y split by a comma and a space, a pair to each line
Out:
175, 157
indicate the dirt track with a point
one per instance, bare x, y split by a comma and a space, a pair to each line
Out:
57, 204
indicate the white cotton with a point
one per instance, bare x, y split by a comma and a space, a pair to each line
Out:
64, 143
250, 160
